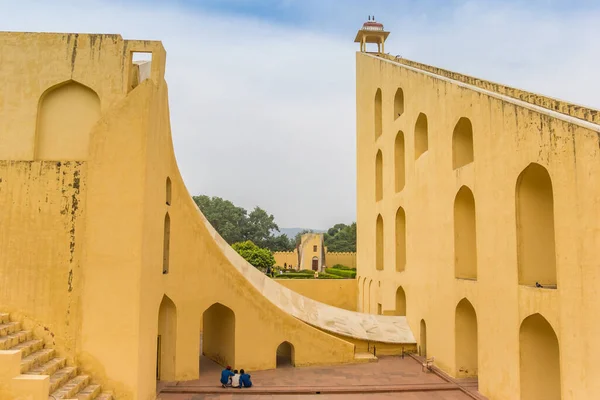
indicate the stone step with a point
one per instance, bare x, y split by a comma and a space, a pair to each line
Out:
72, 387
9, 327
365, 358
9, 341
29, 346
4, 318
49, 367
104, 396
36, 358
90, 392
61, 377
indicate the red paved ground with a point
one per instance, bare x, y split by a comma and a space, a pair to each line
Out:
391, 377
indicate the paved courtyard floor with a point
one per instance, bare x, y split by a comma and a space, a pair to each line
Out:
389, 378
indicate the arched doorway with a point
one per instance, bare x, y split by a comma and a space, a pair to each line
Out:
423, 339
400, 302
285, 355
465, 339
218, 334
167, 335
539, 356
315, 263
66, 114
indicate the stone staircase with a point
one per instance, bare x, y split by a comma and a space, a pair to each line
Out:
65, 382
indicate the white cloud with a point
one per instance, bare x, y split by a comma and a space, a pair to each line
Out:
263, 114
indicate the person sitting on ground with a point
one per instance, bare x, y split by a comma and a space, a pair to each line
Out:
245, 379
226, 375
235, 379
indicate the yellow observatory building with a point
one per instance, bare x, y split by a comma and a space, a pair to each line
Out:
478, 233
479, 219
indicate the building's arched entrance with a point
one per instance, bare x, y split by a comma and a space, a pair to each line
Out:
167, 334
218, 334
465, 339
285, 355
539, 360
315, 263
423, 339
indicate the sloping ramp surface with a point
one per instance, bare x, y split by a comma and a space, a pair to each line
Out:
369, 327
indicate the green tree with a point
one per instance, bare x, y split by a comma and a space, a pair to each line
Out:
229, 220
260, 226
341, 238
260, 258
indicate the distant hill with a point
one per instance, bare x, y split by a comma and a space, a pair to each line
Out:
292, 232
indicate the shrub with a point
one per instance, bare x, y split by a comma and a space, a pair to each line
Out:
340, 266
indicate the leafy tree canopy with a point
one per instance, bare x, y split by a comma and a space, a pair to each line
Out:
341, 238
259, 257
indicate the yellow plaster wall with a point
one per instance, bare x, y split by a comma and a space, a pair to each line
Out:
311, 246
342, 293
345, 258
289, 258
506, 137
83, 241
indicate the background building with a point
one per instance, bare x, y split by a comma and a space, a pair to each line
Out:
312, 254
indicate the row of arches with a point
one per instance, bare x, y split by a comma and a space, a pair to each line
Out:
534, 210
539, 355
462, 152
217, 339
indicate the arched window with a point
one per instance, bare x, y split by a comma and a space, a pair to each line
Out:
462, 143
423, 339
66, 114
400, 240
379, 176
168, 191
535, 227
166, 243
378, 115
465, 235
399, 162
539, 360
421, 135
465, 336
398, 103
379, 243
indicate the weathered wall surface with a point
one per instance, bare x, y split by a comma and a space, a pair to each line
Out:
341, 293
288, 258
40, 230
506, 139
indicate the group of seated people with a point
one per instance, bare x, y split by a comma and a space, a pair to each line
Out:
234, 378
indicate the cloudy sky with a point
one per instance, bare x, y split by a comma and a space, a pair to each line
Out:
262, 92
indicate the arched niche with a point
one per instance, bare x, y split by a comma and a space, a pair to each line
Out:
462, 143
423, 339
398, 103
218, 334
378, 176
166, 243
285, 355
465, 235
168, 191
465, 337
400, 302
166, 341
421, 135
66, 114
379, 243
399, 162
539, 360
536, 254
378, 116
400, 233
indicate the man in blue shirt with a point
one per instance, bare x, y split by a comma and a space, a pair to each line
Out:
226, 374
245, 379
